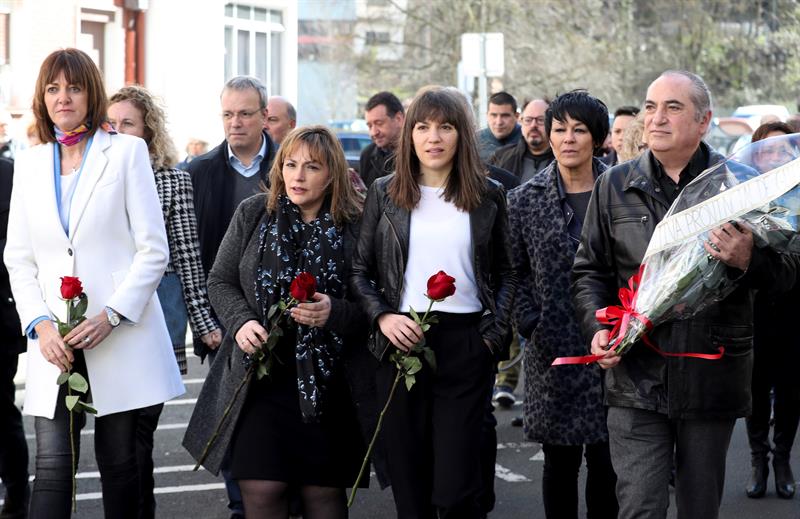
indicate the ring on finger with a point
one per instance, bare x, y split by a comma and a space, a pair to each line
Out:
87, 339
713, 245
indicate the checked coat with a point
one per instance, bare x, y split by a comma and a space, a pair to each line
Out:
564, 404
177, 205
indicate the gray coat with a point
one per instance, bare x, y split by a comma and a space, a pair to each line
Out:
233, 269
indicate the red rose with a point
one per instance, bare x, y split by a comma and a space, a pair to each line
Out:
441, 286
303, 287
71, 287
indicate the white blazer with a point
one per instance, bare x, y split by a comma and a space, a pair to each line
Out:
117, 246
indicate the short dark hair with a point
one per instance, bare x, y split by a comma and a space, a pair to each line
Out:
503, 98
767, 128
80, 70
580, 106
630, 110
387, 99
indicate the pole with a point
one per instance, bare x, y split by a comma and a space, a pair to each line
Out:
482, 94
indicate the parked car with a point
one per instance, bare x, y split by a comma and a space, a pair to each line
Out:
348, 125
729, 134
353, 143
756, 115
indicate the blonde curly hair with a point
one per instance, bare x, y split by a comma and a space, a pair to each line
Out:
162, 150
633, 140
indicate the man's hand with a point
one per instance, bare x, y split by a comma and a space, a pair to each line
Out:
600, 347
731, 244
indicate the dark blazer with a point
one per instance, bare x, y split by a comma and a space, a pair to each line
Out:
11, 338
375, 163
380, 261
511, 157
213, 183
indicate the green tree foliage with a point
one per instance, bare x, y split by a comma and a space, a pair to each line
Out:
748, 52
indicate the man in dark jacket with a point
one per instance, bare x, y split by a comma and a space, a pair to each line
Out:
532, 153
225, 176
623, 117
385, 116
503, 128
13, 447
663, 407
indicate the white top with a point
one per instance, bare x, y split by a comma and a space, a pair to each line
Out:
68, 183
439, 239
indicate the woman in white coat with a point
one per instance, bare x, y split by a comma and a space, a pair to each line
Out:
84, 204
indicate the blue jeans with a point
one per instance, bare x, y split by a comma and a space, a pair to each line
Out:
115, 450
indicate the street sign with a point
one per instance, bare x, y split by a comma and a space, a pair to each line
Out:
490, 62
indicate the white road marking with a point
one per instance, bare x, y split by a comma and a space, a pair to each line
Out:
539, 456
516, 445
506, 475
182, 401
158, 470
161, 427
90, 496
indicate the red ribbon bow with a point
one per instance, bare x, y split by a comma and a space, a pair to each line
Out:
619, 317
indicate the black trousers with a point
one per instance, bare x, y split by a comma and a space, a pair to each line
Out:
146, 424
13, 447
560, 481
773, 370
115, 450
433, 432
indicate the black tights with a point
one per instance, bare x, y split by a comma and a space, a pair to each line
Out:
270, 500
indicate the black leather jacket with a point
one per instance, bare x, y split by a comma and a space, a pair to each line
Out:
626, 205
380, 261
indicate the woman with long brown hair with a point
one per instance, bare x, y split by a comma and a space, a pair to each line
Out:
438, 211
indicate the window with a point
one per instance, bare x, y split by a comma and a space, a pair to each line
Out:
377, 38
254, 44
92, 38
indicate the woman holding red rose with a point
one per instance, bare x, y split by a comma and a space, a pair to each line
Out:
85, 206
297, 426
437, 212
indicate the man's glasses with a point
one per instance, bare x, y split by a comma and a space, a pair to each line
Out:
527, 121
243, 115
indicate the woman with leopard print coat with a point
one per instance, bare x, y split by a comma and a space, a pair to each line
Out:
563, 407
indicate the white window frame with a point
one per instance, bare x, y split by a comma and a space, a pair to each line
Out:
253, 27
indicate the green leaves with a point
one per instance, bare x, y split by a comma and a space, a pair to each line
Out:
72, 401
81, 307
430, 357
78, 383
272, 309
76, 405
63, 328
415, 316
62, 378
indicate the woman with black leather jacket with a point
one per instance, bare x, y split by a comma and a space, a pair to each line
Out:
438, 211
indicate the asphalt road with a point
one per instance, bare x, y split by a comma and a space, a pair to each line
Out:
182, 493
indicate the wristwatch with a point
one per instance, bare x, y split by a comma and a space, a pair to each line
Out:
113, 317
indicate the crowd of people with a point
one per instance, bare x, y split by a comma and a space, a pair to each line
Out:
540, 218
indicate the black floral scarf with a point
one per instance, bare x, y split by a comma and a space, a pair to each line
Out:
287, 247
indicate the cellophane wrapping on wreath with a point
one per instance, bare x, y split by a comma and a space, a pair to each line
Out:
680, 278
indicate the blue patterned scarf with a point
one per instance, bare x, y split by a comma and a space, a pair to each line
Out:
287, 247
